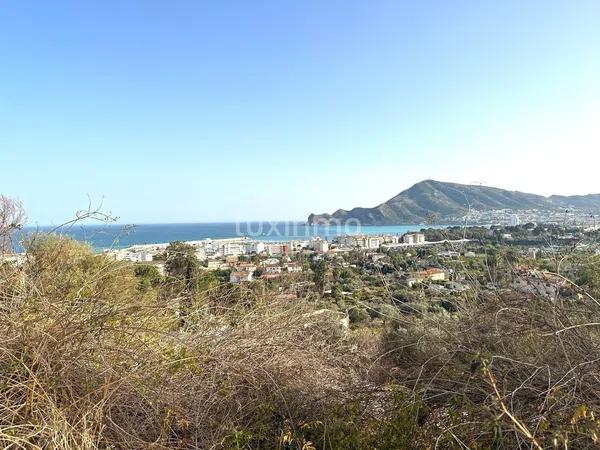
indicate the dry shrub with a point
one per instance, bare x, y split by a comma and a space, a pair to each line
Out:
505, 372
88, 360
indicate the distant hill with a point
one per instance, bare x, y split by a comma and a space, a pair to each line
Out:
452, 200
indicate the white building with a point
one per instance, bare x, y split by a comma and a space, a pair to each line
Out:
146, 257
319, 245
201, 253
233, 249
296, 246
514, 220
137, 256
254, 247
272, 269
293, 267
369, 242
414, 238
374, 241
347, 241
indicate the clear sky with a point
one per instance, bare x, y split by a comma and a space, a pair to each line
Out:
189, 110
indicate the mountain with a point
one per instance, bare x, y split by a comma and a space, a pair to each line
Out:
451, 201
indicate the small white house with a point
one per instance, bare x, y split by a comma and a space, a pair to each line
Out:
293, 267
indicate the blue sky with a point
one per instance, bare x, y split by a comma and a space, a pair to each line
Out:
186, 111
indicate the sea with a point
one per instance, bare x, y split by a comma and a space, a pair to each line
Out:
115, 236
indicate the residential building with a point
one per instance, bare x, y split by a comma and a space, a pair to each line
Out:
273, 269
240, 277
414, 238
136, 256
296, 246
319, 245
245, 267
277, 248
201, 253
213, 264
374, 241
233, 249
369, 242
254, 247
293, 267
427, 275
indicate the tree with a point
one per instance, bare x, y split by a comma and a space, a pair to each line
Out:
148, 276
181, 267
181, 261
319, 268
12, 218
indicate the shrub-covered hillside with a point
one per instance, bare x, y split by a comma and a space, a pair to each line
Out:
97, 354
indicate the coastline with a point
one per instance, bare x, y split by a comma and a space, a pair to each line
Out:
116, 236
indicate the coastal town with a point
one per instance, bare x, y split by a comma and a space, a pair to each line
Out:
571, 216
243, 256
432, 264
436, 260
